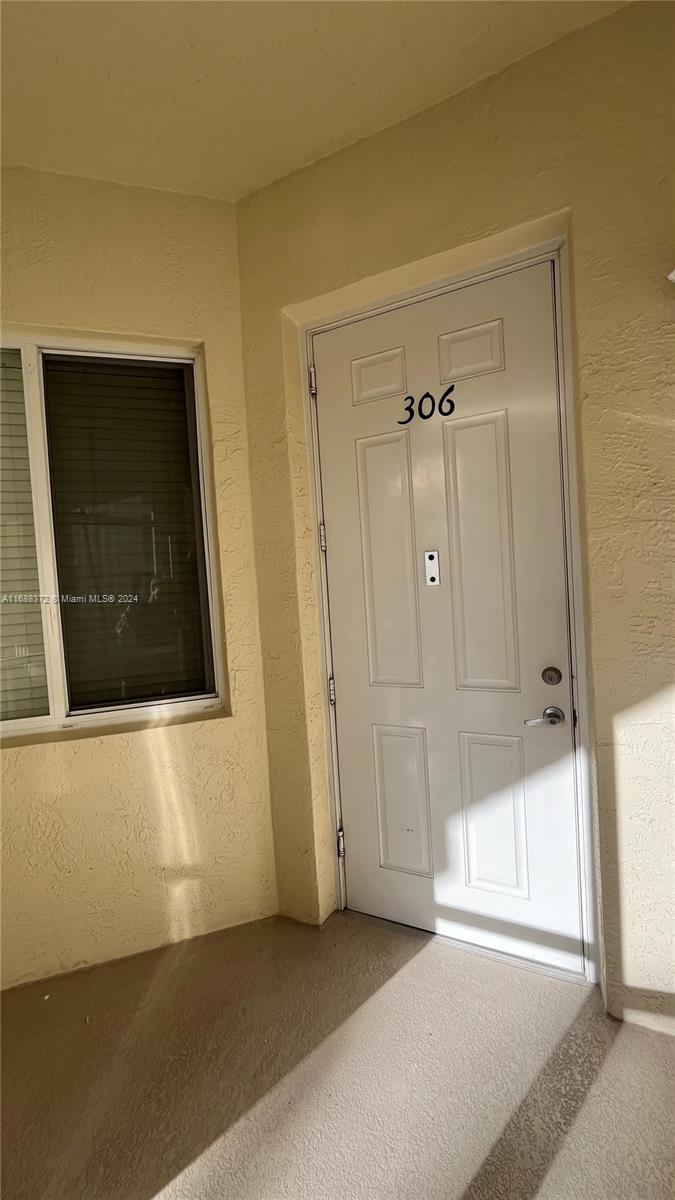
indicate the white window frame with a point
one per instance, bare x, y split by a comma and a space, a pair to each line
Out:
32, 344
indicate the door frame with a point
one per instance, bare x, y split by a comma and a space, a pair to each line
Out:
546, 239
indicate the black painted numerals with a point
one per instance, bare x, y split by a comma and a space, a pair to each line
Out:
449, 404
426, 406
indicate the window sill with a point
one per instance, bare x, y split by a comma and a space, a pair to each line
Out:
37, 730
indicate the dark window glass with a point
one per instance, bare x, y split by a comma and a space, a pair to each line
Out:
128, 528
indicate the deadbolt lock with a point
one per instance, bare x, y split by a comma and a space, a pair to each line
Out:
551, 675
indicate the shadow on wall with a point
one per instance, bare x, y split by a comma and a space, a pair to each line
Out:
649, 719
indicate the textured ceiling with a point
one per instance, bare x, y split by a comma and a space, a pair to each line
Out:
220, 98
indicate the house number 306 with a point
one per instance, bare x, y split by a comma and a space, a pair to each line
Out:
426, 406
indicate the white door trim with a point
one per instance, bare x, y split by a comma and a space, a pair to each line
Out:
545, 239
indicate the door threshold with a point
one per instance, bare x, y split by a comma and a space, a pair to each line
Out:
509, 960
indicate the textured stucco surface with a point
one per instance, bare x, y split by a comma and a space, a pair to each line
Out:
585, 123
235, 115
354, 1062
118, 843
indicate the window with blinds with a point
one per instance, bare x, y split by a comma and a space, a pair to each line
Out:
128, 530
23, 677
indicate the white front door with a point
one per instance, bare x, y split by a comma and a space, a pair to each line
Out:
441, 476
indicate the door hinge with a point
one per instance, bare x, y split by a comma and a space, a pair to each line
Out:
331, 690
312, 380
575, 719
340, 842
322, 537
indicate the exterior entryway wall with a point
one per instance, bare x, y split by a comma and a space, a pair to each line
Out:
583, 124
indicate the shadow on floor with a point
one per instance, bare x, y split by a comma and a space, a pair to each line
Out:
362, 1061
116, 1078
520, 1160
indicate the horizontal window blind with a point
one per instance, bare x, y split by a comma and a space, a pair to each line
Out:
128, 530
23, 678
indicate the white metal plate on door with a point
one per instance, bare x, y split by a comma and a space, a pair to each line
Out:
431, 570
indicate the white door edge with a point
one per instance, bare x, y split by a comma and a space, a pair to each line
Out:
299, 328
502, 956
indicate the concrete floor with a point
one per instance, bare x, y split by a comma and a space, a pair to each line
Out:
358, 1062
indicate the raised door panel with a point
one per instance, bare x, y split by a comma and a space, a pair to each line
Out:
481, 548
402, 796
493, 813
378, 376
388, 555
478, 350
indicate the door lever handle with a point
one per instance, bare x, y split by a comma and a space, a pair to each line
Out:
550, 716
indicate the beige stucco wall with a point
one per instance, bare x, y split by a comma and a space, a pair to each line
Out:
124, 841
121, 842
582, 123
